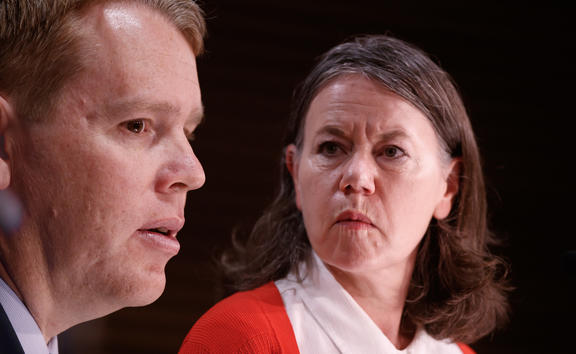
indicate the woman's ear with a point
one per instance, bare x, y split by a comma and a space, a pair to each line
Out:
291, 160
6, 115
444, 206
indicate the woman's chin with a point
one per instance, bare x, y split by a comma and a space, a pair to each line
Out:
351, 261
352, 251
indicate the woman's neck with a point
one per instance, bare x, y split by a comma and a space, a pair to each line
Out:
382, 295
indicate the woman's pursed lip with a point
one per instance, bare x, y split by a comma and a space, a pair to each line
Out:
354, 216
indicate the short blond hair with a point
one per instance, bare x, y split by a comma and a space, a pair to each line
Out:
41, 46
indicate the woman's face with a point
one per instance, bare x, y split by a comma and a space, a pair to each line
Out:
369, 177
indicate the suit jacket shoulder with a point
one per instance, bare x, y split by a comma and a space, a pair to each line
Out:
9, 343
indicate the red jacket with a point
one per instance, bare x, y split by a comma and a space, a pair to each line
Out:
252, 321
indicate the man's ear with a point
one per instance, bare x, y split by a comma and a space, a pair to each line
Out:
6, 116
291, 160
444, 207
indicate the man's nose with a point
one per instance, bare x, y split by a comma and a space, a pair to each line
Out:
182, 171
359, 173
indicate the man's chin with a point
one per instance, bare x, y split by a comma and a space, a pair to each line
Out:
149, 293
133, 293
143, 291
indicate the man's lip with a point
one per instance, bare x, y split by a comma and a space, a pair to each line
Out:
351, 215
172, 225
164, 243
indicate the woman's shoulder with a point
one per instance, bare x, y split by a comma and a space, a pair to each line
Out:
465, 349
243, 322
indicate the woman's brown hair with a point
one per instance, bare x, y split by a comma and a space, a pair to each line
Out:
458, 288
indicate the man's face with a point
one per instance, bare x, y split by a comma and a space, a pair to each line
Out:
104, 180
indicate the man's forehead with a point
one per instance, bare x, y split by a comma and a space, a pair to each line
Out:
120, 32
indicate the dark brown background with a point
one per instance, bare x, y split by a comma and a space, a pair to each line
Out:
515, 68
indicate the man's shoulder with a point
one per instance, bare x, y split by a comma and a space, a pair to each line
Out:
243, 322
8, 340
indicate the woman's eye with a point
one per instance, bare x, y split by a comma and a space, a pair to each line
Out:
329, 148
136, 126
393, 152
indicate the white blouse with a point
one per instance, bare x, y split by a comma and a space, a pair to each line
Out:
326, 319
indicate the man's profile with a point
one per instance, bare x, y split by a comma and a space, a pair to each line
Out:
97, 102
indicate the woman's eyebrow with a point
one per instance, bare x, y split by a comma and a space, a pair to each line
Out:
339, 132
332, 130
393, 134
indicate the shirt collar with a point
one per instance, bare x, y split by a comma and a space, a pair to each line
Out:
346, 323
27, 330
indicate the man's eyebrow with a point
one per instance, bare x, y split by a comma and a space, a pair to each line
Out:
135, 105
123, 106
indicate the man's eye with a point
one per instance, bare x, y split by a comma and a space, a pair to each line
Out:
329, 148
136, 126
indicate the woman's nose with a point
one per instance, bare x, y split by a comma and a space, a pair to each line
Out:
359, 174
182, 171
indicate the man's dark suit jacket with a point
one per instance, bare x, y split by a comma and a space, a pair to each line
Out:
9, 343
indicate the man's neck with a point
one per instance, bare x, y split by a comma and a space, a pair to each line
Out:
8, 280
31, 291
